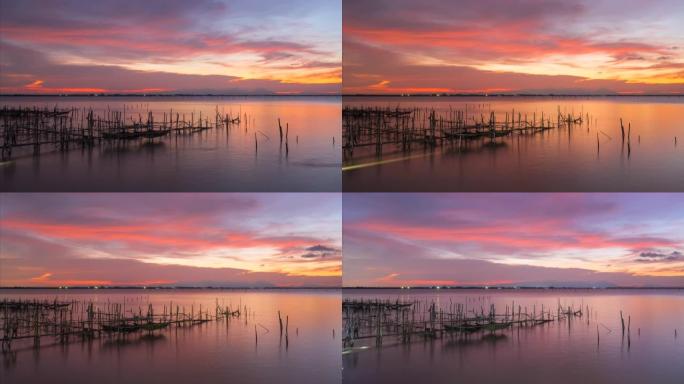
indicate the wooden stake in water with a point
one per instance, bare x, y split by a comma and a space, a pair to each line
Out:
280, 128
280, 321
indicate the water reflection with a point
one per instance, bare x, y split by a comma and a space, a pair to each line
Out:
590, 155
217, 159
647, 352
216, 351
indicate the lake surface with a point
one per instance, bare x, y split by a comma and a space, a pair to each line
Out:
555, 160
221, 351
566, 351
218, 160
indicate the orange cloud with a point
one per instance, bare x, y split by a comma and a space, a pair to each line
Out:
41, 278
38, 86
35, 85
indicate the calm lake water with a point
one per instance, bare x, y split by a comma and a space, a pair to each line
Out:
555, 160
213, 160
559, 352
215, 352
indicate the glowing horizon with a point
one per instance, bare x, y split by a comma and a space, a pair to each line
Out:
516, 239
210, 46
170, 239
495, 46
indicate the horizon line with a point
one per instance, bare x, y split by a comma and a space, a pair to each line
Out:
512, 94
512, 287
167, 94
494, 287
160, 287
340, 95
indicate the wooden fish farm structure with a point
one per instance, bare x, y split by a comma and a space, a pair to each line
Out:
407, 128
35, 321
64, 129
404, 321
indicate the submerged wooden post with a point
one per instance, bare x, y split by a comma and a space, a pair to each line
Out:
629, 139
280, 321
280, 128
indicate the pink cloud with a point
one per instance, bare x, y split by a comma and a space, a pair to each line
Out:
487, 239
544, 235
78, 47
437, 48
218, 239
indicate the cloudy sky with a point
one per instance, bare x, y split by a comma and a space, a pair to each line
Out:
488, 239
534, 46
199, 46
170, 239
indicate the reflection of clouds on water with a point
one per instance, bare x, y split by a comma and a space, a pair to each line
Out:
587, 157
209, 352
217, 160
530, 352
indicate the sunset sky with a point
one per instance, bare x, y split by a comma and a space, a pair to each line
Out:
156, 46
536, 239
170, 239
499, 46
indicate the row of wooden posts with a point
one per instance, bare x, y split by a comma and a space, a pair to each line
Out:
376, 126
66, 321
403, 321
35, 320
404, 128
64, 129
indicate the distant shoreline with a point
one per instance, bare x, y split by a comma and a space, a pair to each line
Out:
494, 288
165, 95
509, 95
157, 288
506, 95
